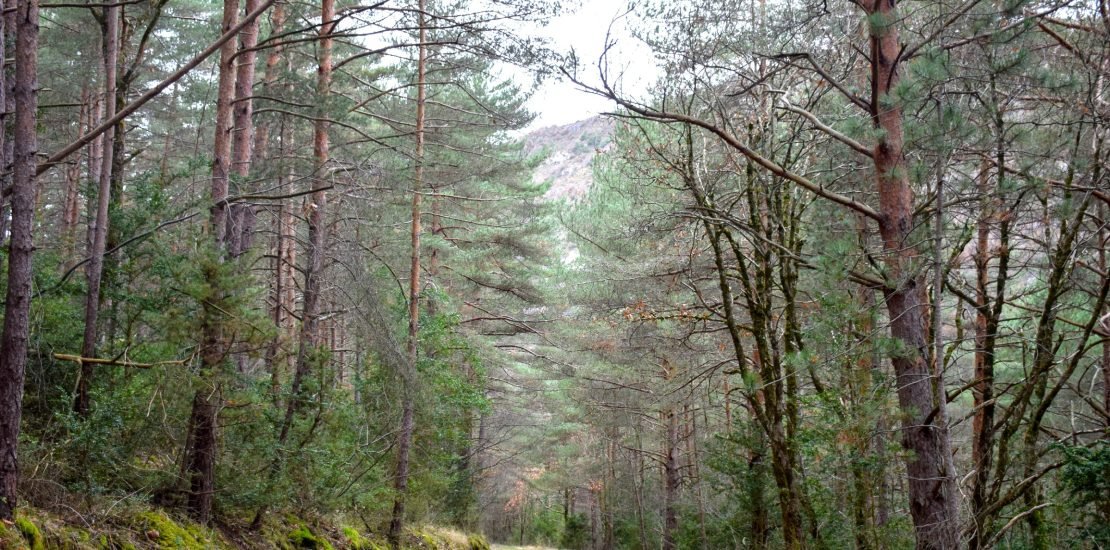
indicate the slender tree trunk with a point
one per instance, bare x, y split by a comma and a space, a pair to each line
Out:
608, 514
670, 478
759, 522
1103, 265
641, 517
201, 460
408, 378
285, 249
242, 215
70, 207
13, 340
934, 498
95, 269
242, 129
315, 208
309, 340
269, 78
986, 325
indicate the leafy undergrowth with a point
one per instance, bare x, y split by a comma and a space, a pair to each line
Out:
155, 529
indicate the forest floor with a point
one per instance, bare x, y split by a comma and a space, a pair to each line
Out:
139, 526
503, 547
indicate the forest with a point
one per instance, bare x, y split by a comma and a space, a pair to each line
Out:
308, 274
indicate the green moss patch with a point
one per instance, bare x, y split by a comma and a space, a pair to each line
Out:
30, 533
302, 537
477, 542
162, 532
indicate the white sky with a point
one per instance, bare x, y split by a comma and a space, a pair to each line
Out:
583, 29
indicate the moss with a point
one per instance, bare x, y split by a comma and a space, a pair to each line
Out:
477, 542
429, 541
355, 540
302, 537
171, 535
30, 533
8, 537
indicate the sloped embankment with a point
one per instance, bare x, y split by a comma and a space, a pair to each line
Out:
139, 529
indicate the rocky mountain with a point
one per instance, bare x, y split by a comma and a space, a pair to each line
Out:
571, 148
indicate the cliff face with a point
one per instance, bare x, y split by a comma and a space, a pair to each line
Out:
571, 148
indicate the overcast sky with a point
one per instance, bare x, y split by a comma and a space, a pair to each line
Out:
583, 29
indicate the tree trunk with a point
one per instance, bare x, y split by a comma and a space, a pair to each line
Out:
930, 470
285, 261
13, 340
269, 79
242, 215
408, 378
987, 316
94, 271
70, 206
670, 478
1104, 238
242, 129
201, 459
760, 525
309, 339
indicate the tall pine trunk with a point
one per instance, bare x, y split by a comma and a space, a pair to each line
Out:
13, 340
94, 272
241, 216
317, 233
408, 377
70, 206
670, 478
931, 473
201, 456
284, 249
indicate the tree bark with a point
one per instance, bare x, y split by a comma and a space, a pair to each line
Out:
241, 216
269, 79
1103, 265
94, 271
13, 340
284, 254
931, 473
408, 377
202, 453
309, 340
242, 129
670, 478
71, 203
988, 313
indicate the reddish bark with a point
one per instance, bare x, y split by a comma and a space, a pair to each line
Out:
241, 216
987, 315
201, 459
242, 130
408, 377
930, 470
269, 79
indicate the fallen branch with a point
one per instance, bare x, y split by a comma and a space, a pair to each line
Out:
116, 362
1013, 521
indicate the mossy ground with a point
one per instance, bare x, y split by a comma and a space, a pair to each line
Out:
145, 528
